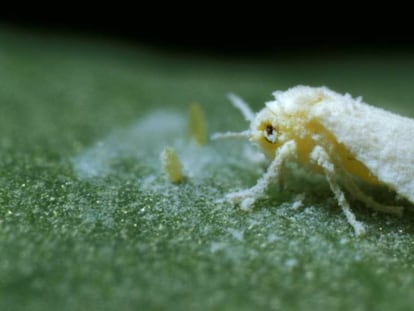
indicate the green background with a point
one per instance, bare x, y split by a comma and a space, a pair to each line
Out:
89, 222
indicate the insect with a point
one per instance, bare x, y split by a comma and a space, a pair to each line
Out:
333, 134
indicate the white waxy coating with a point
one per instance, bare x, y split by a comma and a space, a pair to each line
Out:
320, 127
381, 140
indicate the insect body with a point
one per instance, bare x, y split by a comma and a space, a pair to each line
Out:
335, 135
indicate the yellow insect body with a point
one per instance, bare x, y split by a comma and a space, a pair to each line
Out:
307, 133
335, 135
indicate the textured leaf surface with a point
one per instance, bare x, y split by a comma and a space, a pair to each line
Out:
88, 220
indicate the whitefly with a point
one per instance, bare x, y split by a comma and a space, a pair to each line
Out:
336, 135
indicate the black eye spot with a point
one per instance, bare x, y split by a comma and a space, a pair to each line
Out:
270, 134
269, 130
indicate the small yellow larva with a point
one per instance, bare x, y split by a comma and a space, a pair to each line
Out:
172, 165
335, 135
197, 125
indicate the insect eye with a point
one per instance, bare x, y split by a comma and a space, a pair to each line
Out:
270, 134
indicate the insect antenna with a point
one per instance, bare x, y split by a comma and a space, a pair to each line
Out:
240, 104
247, 113
244, 134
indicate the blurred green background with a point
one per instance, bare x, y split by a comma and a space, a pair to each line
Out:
89, 222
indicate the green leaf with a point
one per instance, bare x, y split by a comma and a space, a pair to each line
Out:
88, 221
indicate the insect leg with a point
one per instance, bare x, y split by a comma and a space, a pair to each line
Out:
248, 196
320, 157
370, 202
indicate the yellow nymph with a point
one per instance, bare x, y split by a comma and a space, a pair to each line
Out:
333, 134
